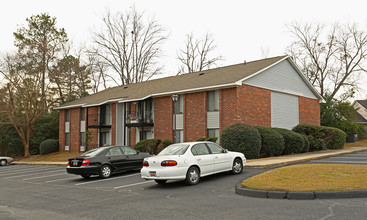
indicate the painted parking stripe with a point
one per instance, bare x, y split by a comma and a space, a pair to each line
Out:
97, 181
21, 170
9, 177
50, 181
134, 184
39, 177
340, 161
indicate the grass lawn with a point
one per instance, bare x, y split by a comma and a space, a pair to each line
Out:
54, 157
311, 177
360, 143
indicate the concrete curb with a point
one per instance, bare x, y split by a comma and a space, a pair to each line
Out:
302, 158
300, 195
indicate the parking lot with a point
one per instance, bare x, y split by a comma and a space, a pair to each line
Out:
48, 192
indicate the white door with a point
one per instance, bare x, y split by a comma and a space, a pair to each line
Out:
222, 161
204, 159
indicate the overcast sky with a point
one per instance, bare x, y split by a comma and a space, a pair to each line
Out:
241, 29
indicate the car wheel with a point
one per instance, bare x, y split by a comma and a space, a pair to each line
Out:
237, 166
105, 171
192, 176
86, 176
161, 181
3, 162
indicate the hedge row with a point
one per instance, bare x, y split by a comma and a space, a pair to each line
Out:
264, 141
152, 146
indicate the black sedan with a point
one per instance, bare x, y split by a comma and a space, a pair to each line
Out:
104, 161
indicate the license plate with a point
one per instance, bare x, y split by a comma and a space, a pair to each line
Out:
75, 163
153, 173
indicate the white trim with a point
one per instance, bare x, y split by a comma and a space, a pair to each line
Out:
281, 91
69, 106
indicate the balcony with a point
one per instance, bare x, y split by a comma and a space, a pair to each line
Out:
140, 119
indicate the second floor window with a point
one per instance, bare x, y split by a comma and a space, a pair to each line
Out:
105, 114
213, 101
67, 115
179, 105
82, 114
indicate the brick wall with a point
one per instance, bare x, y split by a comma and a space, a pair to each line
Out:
309, 111
195, 116
113, 124
253, 106
62, 130
74, 145
93, 120
163, 118
227, 107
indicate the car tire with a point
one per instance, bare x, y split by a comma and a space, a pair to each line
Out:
192, 176
3, 163
105, 171
237, 166
161, 181
85, 176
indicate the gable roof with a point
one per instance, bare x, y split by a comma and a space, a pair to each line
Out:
362, 103
221, 77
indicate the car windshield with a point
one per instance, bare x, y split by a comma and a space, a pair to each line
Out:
174, 149
92, 152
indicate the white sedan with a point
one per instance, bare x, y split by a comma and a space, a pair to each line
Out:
5, 161
190, 161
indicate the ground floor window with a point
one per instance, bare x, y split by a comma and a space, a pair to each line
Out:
214, 133
179, 138
128, 136
146, 133
82, 141
66, 141
105, 137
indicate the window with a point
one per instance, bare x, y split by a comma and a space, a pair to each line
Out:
215, 149
105, 114
128, 136
67, 115
213, 101
178, 136
213, 133
199, 149
82, 138
66, 139
104, 138
129, 151
179, 105
82, 114
115, 151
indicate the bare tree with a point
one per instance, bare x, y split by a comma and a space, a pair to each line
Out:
23, 99
333, 60
196, 54
130, 45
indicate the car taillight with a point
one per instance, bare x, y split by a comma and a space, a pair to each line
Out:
68, 164
85, 162
169, 163
145, 163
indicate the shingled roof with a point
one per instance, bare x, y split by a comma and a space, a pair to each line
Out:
222, 77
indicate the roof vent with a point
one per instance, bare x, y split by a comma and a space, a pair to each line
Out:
200, 74
244, 62
125, 87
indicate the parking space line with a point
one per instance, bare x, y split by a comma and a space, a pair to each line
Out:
340, 161
39, 177
97, 181
9, 177
21, 170
50, 181
134, 184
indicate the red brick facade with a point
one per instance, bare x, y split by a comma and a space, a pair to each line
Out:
62, 130
245, 104
254, 106
309, 111
163, 118
195, 116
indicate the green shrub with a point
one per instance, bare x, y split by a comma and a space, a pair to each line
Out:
201, 139
49, 146
212, 139
306, 142
316, 144
166, 143
242, 138
293, 141
272, 142
333, 138
148, 145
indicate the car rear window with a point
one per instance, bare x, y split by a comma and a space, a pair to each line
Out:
92, 152
174, 149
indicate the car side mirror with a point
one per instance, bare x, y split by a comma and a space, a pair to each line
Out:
224, 151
